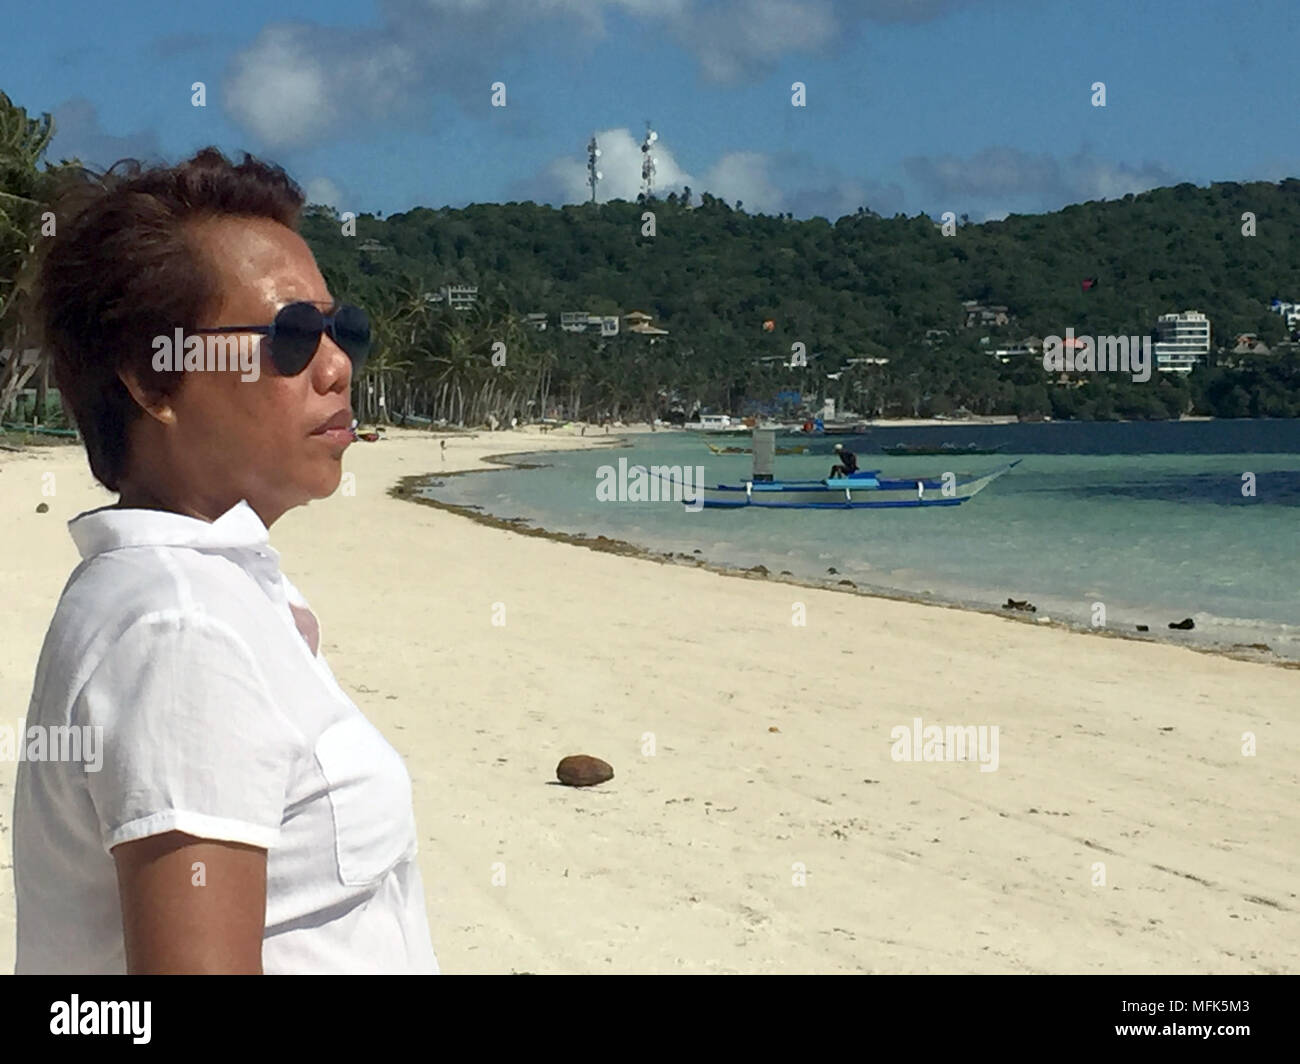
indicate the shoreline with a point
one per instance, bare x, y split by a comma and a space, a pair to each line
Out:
408, 486
977, 421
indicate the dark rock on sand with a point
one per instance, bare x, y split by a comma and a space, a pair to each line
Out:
579, 770
1023, 605
1143, 628
761, 570
845, 583
42, 508
1185, 625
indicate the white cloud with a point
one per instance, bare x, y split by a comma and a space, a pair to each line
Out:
79, 134
323, 190
1002, 179
279, 89
744, 37
743, 175
296, 81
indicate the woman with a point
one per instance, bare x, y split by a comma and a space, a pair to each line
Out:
244, 817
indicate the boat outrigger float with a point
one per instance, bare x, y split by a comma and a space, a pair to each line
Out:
866, 490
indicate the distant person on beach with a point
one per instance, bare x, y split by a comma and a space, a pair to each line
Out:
443, 445
848, 462
239, 814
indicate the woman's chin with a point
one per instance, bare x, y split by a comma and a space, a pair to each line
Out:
320, 481
327, 481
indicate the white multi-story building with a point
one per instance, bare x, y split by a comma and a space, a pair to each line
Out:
1290, 311
575, 320
1182, 341
581, 321
460, 296
1028, 348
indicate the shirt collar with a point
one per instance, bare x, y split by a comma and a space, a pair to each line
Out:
108, 529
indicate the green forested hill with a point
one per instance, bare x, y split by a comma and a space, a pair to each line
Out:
864, 286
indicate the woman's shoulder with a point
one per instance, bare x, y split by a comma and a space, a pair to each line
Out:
113, 593
124, 613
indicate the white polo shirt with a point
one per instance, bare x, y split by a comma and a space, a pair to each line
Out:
175, 637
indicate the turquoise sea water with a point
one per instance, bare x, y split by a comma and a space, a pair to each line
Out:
1148, 519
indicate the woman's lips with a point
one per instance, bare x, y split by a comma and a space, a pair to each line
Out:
335, 435
338, 429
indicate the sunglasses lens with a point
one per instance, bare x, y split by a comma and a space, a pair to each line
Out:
352, 333
297, 335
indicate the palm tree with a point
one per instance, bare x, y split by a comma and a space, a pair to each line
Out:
24, 189
400, 324
451, 352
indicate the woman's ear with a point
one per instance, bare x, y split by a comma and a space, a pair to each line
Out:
152, 402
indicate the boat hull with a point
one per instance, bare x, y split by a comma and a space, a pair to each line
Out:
858, 429
734, 430
906, 450
719, 449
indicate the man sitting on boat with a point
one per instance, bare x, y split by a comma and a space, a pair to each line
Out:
848, 462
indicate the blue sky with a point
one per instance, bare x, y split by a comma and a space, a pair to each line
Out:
981, 107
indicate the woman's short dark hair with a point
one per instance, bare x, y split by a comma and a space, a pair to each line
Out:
123, 268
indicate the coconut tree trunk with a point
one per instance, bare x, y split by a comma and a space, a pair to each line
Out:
42, 388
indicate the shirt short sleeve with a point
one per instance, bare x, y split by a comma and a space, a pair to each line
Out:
191, 738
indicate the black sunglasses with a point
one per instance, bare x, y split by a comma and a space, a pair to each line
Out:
295, 335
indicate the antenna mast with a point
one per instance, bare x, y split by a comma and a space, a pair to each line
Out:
648, 161
593, 175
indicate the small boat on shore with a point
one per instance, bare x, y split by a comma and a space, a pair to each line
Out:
718, 425
418, 420
866, 490
916, 450
863, 490
818, 427
719, 449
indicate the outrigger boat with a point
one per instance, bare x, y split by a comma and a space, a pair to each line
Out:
818, 427
717, 425
719, 449
864, 490
861, 491
915, 450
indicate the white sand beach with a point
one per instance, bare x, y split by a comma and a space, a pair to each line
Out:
757, 821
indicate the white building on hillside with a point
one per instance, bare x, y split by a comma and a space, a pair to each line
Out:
1290, 311
460, 296
1029, 348
1182, 341
579, 321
